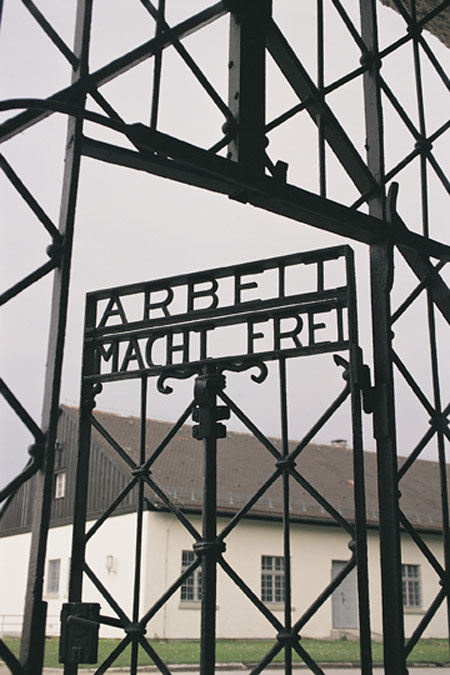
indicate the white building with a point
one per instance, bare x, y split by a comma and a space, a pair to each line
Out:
254, 547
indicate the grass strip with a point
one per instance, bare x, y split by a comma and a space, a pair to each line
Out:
247, 651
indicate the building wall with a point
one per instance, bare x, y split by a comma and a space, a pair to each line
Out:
313, 548
14, 553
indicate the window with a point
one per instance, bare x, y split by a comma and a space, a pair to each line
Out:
60, 485
272, 578
53, 570
191, 589
411, 586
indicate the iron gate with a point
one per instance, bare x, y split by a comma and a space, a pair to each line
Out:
251, 173
299, 319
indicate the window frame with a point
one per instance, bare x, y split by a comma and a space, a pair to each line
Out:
192, 585
60, 485
53, 580
273, 580
411, 586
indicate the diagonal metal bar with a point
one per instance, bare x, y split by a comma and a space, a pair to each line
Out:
117, 651
304, 87
250, 425
29, 199
173, 508
420, 629
115, 68
159, 663
18, 408
434, 61
401, 309
412, 383
169, 592
268, 658
51, 33
11, 488
106, 594
313, 666
416, 452
105, 105
387, 91
345, 79
113, 443
424, 271
111, 508
323, 597
251, 502
439, 171
323, 419
350, 26
172, 433
10, 660
422, 546
250, 594
28, 281
324, 503
189, 61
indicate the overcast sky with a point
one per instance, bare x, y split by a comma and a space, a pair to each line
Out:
134, 227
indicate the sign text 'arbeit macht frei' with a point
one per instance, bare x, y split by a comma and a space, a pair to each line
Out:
287, 306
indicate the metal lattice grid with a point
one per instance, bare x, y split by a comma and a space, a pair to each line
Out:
192, 153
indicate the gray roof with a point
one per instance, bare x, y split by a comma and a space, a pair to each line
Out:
244, 464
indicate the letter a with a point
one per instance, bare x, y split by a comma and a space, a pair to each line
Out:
113, 308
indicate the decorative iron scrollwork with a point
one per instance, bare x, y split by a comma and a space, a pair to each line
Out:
238, 366
177, 374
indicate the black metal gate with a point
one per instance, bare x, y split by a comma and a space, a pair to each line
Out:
239, 164
300, 320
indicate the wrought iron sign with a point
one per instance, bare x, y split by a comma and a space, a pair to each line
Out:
286, 306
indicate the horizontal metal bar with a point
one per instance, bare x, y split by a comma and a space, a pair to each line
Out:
284, 199
252, 267
228, 316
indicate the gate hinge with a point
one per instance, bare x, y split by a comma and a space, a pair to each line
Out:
80, 623
360, 377
364, 383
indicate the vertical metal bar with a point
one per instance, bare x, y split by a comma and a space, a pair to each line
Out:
430, 314
320, 84
247, 84
358, 477
139, 524
157, 68
32, 645
440, 443
381, 271
88, 392
205, 396
286, 519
